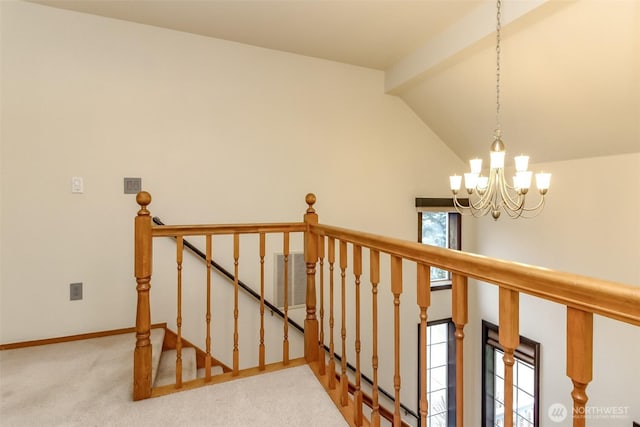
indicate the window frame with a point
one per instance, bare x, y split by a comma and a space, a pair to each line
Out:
528, 351
451, 370
454, 238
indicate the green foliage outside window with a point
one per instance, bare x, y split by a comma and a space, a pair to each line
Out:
435, 233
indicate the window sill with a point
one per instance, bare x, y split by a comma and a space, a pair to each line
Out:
441, 285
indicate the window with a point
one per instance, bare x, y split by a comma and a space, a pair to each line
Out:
526, 373
439, 226
441, 373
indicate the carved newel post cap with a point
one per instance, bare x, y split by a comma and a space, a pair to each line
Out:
310, 199
143, 199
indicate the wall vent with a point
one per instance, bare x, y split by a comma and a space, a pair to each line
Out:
297, 280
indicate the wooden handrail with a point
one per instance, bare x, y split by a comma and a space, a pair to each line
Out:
200, 230
610, 299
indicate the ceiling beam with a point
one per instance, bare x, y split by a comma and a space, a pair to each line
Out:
467, 31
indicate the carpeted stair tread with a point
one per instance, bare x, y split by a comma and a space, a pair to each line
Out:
157, 338
215, 370
167, 368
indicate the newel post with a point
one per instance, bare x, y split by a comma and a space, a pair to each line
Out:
143, 262
311, 258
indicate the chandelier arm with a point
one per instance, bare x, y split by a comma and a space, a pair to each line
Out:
462, 209
514, 214
467, 210
528, 213
512, 204
486, 208
486, 202
481, 203
537, 207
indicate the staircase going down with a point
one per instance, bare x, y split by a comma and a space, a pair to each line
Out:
163, 368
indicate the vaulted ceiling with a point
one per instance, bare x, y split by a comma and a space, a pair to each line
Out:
570, 69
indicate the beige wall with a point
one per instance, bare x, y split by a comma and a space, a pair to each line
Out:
218, 131
591, 225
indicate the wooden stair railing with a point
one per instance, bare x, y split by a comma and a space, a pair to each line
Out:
264, 303
583, 297
145, 232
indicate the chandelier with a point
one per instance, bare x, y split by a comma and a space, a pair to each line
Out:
493, 193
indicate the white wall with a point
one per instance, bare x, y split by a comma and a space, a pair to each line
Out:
218, 131
590, 226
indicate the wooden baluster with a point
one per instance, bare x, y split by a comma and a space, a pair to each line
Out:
236, 256
579, 359
207, 360
396, 289
357, 394
143, 267
310, 258
374, 272
179, 254
459, 301
344, 380
285, 341
321, 353
332, 358
509, 338
424, 301
261, 347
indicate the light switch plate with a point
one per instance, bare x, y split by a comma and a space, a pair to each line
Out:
77, 185
132, 185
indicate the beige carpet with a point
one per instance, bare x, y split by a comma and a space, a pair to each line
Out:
88, 383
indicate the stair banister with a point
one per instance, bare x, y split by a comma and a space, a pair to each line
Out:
579, 359
261, 347
209, 254
322, 363
246, 288
509, 337
344, 380
460, 317
236, 337
179, 258
331, 367
374, 274
260, 298
396, 290
423, 293
357, 395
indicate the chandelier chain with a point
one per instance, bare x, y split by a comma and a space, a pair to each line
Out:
498, 31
